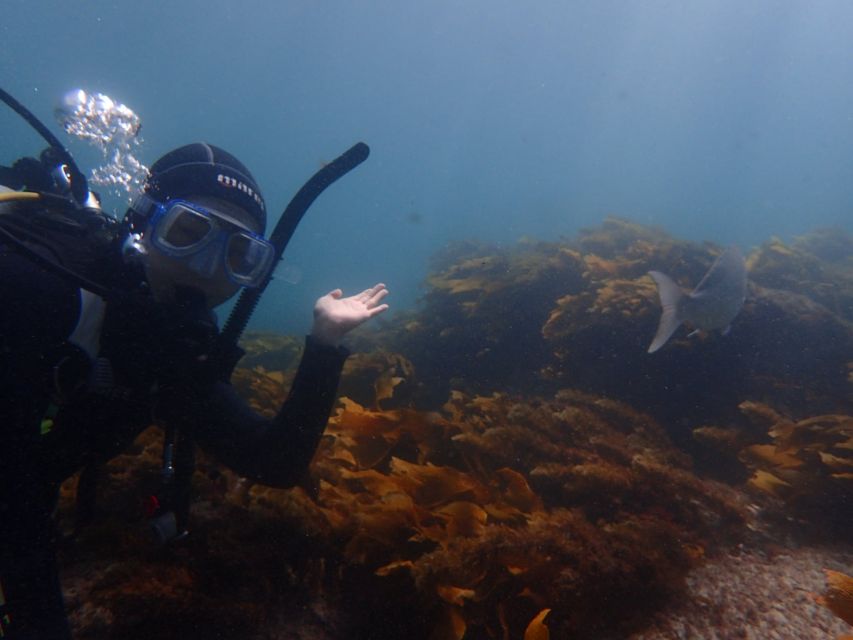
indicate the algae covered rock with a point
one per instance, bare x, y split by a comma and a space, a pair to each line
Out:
582, 312
508, 451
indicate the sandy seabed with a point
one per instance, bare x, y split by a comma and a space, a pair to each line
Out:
756, 594
751, 594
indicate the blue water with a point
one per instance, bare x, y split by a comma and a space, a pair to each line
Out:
719, 120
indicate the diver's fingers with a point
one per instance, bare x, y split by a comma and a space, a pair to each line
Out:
376, 298
375, 311
369, 293
335, 293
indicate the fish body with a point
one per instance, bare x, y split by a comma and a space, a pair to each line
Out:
713, 304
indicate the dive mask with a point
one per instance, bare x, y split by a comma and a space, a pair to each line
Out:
205, 239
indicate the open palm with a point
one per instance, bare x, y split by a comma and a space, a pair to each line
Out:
335, 315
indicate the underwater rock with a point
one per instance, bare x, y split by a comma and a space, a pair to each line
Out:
482, 315
378, 378
507, 449
265, 373
271, 351
818, 266
480, 515
807, 463
495, 508
580, 313
832, 245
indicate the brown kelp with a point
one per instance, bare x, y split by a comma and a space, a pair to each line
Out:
807, 463
580, 313
838, 597
507, 460
493, 508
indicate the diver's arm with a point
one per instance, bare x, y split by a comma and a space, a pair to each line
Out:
275, 452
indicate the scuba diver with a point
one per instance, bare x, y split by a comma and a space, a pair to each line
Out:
107, 327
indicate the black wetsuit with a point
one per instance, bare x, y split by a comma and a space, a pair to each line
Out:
159, 371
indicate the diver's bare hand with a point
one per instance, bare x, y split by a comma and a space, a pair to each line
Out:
335, 316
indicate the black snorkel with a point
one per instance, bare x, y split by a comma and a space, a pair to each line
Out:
79, 184
171, 513
230, 353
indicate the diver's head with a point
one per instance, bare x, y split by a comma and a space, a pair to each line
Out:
199, 225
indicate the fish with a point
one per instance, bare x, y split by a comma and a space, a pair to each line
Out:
713, 304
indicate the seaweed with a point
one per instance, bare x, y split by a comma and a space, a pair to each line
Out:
541, 316
807, 463
838, 597
507, 460
567, 503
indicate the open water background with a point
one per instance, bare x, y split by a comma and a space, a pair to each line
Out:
719, 120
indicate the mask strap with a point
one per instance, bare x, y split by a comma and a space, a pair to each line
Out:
144, 205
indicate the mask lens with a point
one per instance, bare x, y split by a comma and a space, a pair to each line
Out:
185, 228
209, 241
247, 258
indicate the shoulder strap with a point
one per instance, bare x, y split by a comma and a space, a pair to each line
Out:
80, 239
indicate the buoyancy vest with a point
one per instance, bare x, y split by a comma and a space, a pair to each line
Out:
75, 244
122, 345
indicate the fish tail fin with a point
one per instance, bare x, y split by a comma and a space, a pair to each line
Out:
671, 297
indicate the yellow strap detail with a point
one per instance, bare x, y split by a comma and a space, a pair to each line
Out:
13, 196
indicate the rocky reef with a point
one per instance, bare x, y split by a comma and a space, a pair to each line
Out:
507, 461
544, 316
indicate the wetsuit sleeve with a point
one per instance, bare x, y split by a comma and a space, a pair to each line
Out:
275, 452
